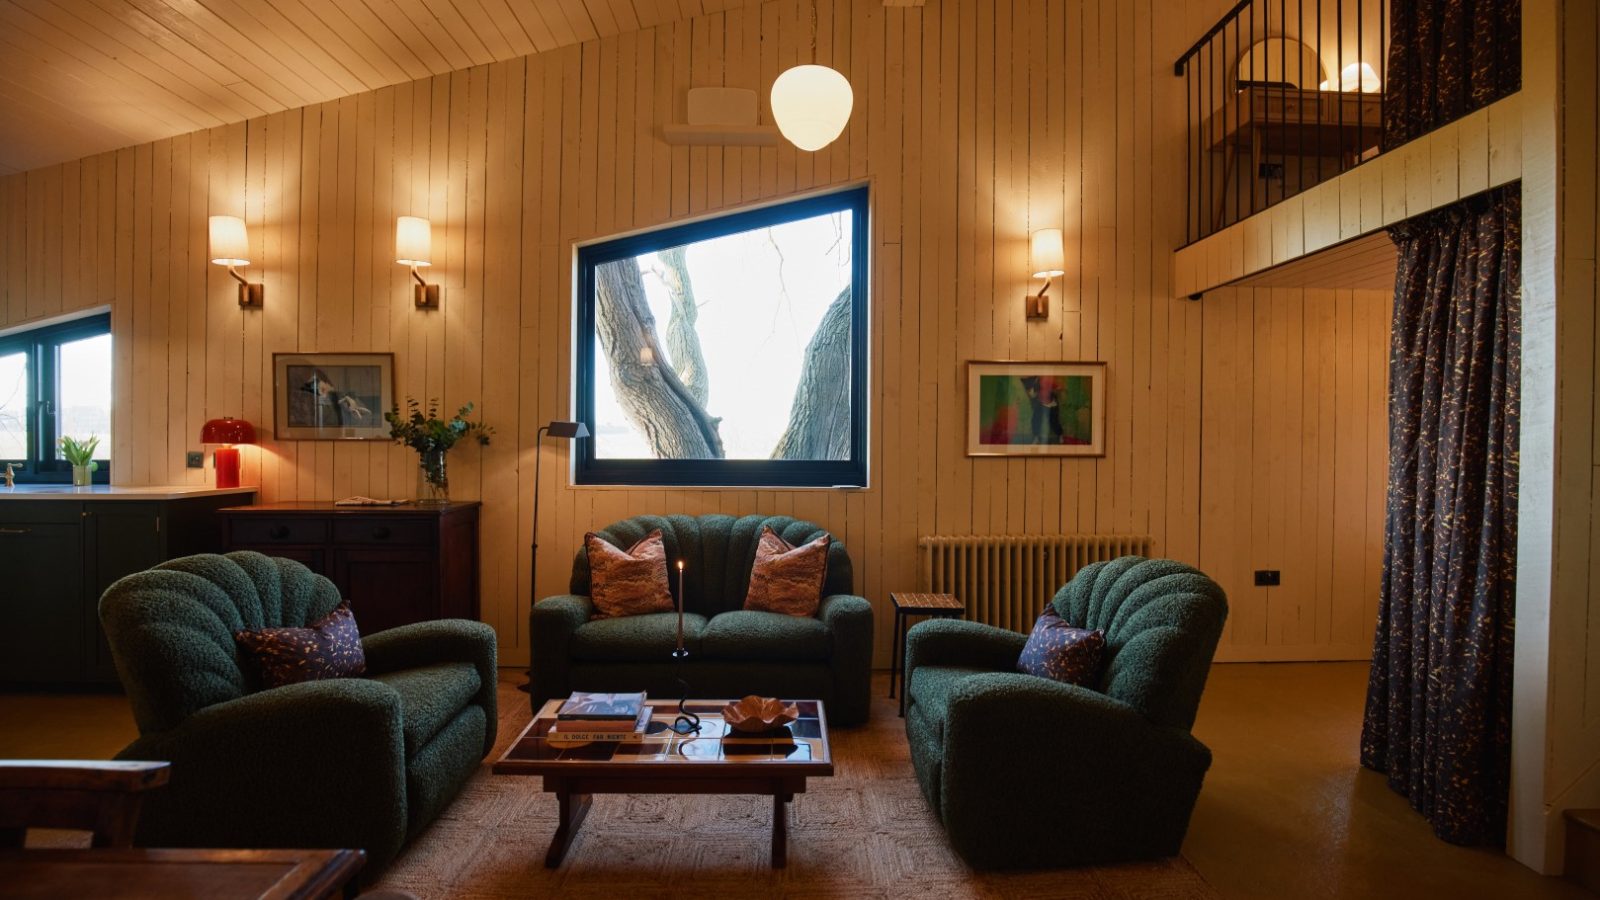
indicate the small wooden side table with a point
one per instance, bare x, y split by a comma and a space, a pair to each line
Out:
941, 606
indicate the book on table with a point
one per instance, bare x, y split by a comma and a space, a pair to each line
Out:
588, 732
590, 707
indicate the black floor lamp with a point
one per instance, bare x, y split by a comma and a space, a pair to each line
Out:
566, 431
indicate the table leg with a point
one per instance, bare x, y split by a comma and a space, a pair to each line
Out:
574, 807
903, 641
894, 653
780, 830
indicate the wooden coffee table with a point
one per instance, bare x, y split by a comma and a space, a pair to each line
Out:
714, 761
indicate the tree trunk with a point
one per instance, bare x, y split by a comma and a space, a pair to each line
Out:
819, 419
683, 340
652, 396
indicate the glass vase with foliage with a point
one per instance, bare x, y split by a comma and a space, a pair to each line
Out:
80, 455
422, 429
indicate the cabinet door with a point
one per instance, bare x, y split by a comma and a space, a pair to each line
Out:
121, 538
41, 608
387, 587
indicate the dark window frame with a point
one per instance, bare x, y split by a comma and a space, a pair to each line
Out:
590, 470
43, 347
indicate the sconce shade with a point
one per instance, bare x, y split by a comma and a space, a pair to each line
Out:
811, 105
230, 244
567, 430
413, 241
1048, 254
227, 430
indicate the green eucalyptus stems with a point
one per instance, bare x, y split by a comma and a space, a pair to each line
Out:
424, 431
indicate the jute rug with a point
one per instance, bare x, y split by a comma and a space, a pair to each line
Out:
866, 832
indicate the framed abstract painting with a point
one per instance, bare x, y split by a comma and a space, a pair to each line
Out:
1036, 408
332, 396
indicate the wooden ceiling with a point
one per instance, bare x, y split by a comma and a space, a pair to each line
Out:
78, 77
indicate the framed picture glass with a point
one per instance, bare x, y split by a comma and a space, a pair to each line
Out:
332, 396
1036, 408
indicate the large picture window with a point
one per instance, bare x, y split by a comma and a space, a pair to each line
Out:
55, 381
730, 351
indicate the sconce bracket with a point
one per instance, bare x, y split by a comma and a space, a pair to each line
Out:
426, 295
251, 295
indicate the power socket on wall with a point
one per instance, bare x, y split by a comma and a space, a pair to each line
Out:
194, 459
1267, 578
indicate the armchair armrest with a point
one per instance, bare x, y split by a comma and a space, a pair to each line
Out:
444, 640
551, 624
1105, 783
954, 642
848, 619
317, 764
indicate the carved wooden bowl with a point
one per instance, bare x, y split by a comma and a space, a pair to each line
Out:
758, 715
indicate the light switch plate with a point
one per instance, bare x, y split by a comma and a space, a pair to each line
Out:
194, 459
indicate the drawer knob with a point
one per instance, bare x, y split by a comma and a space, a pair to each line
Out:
381, 532
278, 532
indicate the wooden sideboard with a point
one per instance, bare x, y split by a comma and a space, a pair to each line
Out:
395, 564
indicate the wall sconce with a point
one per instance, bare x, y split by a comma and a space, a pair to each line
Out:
230, 246
413, 246
1049, 260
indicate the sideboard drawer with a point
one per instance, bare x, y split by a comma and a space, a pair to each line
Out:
411, 532
253, 531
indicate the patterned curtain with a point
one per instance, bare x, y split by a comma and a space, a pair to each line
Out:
1446, 59
1438, 713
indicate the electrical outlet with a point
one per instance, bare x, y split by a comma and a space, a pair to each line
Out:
194, 459
1267, 578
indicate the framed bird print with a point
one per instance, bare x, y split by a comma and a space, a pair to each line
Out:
332, 396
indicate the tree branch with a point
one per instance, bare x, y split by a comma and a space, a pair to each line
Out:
652, 396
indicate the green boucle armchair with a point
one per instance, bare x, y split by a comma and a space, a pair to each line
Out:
732, 652
1026, 772
350, 762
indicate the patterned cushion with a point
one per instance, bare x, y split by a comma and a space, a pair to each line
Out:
628, 582
1059, 651
787, 579
327, 648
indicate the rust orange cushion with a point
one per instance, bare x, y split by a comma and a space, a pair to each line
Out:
628, 582
787, 579
327, 648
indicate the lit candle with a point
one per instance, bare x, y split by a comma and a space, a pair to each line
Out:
680, 609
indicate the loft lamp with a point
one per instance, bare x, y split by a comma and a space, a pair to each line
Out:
230, 246
227, 431
413, 246
811, 103
1049, 261
566, 431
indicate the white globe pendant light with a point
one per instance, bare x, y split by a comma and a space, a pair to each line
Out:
811, 105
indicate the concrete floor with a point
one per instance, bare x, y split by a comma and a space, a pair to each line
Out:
1286, 811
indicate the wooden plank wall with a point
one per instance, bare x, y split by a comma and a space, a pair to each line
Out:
975, 122
1294, 460
1556, 708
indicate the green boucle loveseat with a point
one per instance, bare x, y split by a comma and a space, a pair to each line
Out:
1027, 772
732, 652
350, 762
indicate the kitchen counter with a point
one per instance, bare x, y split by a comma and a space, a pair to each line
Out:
116, 492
